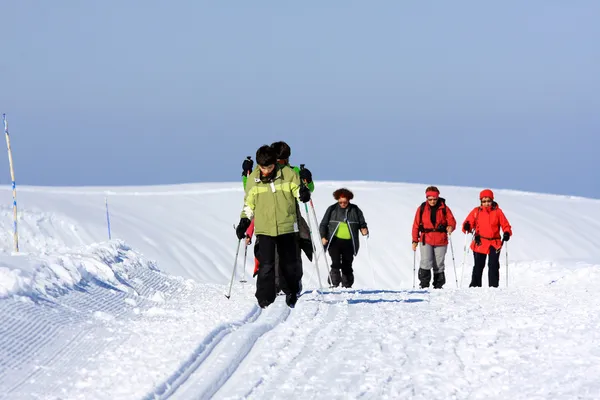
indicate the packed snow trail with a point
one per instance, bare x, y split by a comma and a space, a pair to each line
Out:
226, 357
520, 343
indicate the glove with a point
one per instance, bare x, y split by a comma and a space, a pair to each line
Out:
467, 227
247, 166
305, 175
478, 240
242, 227
304, 194
505, 236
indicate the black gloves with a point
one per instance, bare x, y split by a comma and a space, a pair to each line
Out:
505, 236
467, 227
305, 175
304, 194
477, 240
247, 166
240, 231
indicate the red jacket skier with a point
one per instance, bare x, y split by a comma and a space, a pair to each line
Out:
433, 223
485, 222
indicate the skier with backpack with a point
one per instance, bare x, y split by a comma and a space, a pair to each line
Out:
432, 225
270, 200
485, 221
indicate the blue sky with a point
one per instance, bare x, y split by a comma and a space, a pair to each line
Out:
471, 93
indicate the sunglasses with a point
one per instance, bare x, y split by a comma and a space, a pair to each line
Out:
432, 199
485, 201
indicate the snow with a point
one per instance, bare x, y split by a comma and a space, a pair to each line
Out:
144, 315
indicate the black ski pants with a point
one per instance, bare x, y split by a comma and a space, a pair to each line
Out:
493, 268
286, 248
342, 256
280, 282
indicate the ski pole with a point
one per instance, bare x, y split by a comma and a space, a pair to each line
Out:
316, 259
370, 262
462, 268
453, 262
506, 254
314, 214
228, 295
328, 264
312, 241
498, 251
243, 280
414, 267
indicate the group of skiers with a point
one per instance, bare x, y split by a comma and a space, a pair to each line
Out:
271, 212
434, 222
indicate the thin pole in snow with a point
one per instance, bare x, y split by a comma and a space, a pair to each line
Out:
107, 216
14, 185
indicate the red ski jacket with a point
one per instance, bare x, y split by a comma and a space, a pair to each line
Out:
429, 235
486, 222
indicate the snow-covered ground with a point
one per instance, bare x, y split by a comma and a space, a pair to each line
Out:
144, 315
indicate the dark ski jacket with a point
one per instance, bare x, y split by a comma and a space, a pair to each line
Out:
335, 214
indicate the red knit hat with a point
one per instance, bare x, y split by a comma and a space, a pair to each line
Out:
486, 193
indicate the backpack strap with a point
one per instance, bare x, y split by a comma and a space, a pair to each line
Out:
421, 210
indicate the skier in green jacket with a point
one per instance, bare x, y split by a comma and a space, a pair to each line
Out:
270, 200
283, 151
304, 242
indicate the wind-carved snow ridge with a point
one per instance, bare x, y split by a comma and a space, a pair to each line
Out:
107, 264
38, 230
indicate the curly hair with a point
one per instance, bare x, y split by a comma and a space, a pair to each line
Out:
432, 189
343, 192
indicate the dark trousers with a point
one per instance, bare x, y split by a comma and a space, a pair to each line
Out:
280, 282
493, 268
342, 255
286, 248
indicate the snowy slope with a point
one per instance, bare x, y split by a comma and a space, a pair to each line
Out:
144, 316
188, 229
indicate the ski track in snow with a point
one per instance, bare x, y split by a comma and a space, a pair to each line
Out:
212, 343
340, 345
227, 355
